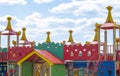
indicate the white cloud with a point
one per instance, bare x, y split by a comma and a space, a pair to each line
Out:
42, 1
82, 7
22, 2
37, 26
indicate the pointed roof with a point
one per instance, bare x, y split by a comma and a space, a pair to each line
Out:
41, 55
48, 37
9, 30
70, 36
109, 24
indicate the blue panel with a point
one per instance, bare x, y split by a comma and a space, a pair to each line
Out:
80, 64
106, 68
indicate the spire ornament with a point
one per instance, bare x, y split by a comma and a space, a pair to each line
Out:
70, 37
48, 37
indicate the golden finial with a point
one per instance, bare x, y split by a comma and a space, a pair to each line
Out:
117, 39
48, 37
32, 43
96, 35
70, 36
109, 17
115, 24
96, 32
97, 25
18, 33
119, 27
79, 43
24, 35
14, 43
87, 43
9, 27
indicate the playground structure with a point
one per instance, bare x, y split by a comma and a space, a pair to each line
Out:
96, 58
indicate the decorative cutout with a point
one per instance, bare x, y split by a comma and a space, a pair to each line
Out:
84, 49
48, 47
76, 50
14, 55
89, 53
71, 53
67, 50
80, 53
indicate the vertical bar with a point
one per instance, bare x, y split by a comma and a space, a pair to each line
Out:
17, 40
0, 44
20, 68
105, 46
8, 40
50, 70
114, 50
99, 41
8, 68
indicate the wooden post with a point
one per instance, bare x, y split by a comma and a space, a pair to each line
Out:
99, 41
114, 50
105, 46
20, 70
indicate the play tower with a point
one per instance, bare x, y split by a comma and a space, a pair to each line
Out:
100, 57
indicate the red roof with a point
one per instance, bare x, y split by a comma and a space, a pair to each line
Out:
50, 57
108, 26
47, 55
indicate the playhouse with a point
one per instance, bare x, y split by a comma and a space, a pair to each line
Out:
95, 58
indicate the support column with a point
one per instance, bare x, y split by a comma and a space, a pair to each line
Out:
50, 70
105, 45
20, 70
0, 44
119, 40
17, 40
99, 41
8, 68
114, 50
8, 40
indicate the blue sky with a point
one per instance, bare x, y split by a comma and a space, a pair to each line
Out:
58, 17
